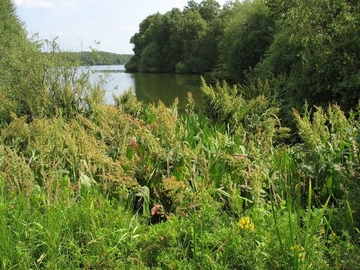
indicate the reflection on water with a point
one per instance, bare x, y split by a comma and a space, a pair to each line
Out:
150, 87
167, 87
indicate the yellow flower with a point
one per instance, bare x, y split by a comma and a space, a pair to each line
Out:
246, 224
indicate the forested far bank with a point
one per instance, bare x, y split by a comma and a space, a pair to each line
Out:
307, 51
92, 58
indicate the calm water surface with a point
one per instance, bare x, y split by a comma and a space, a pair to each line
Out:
149, 87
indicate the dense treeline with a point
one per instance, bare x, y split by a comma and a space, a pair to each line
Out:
308, 50
97, 58
104, 58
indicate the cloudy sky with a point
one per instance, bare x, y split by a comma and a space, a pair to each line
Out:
79, 23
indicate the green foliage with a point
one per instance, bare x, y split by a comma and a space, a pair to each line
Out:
91, 58
227, 106
12, 40
13, 47
246, 38
315, 45
209, 180
48, 85
330, 156
178, 41
132, 65
128, 103
150, 58
309, 47
234, 194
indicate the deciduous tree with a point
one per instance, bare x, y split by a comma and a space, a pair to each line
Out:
316, 45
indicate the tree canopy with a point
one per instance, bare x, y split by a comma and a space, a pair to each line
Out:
12, 39
311, 47
315, 45
178, 41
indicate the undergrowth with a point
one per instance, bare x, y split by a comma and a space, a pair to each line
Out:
235, 194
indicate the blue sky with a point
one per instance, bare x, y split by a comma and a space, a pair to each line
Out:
79, 23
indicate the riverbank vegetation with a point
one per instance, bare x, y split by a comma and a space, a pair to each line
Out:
310, 48
236, 193
95, 58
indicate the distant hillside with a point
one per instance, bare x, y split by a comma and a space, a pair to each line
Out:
104, 58
98, 58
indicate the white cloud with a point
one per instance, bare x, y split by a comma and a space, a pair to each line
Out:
129, 28
72, 5
34, 3
74, 33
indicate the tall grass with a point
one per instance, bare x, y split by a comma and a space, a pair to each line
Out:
236, 196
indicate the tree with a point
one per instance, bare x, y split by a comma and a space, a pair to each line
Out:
316, 46
193, 30
151, 44
246, 38
12, 38
206, 56
208, 9
37, 84
150, 58
178, 41
13, 47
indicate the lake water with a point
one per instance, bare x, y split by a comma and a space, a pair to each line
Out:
150, 87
